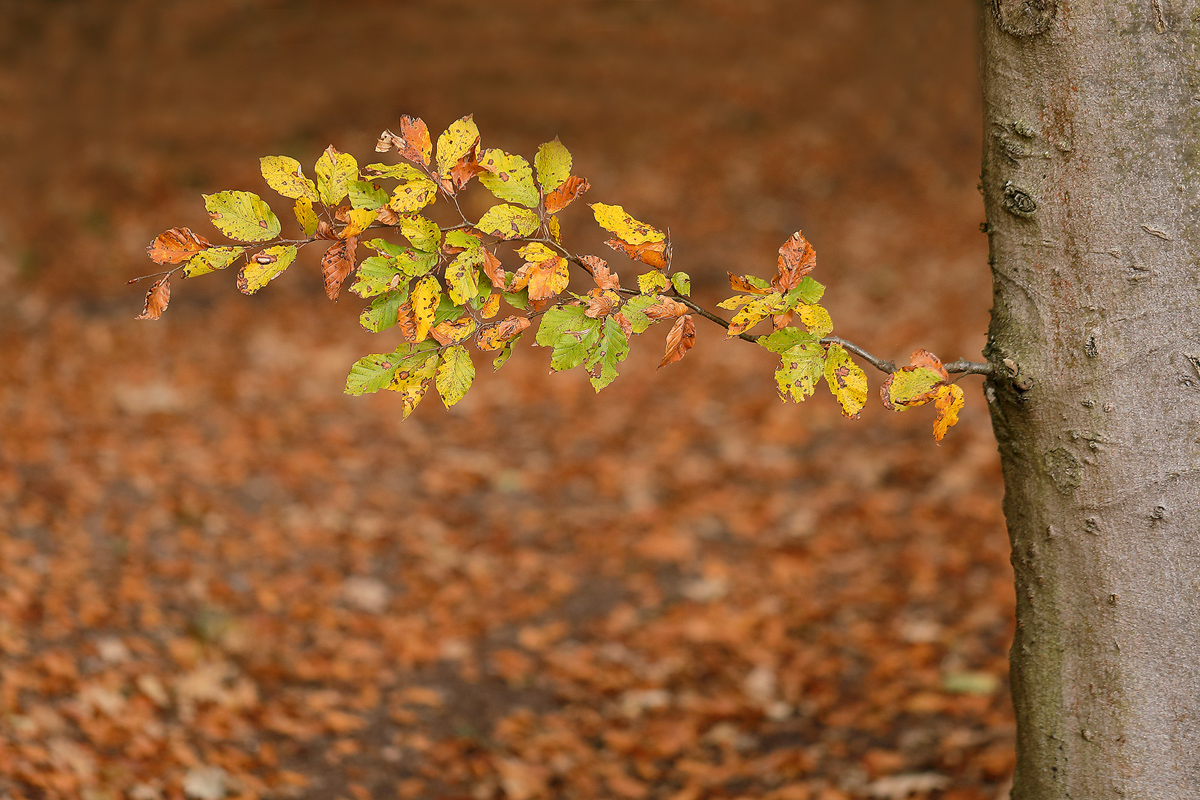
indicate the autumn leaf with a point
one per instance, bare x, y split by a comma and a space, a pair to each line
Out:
508, 177
371, 373
424, 299
612, 346
797, 258
682, 283
242, 216
364, 194
175, 245
402, 172
457, 142
490, 307
286, 176
599, 303
665, 308
652, 253
411, 197
334, 171
615, 220
377, 275
462, 276
424, 234
384, 312
605, 279
652, 282
553, 165
454, 332
949, 402
412, 376
406, 321
800, 367
749, 283
758, 309
508, 221
916, 384
454, 375
492, 268
157, 299
305, 215
554, 227
544, 272
337, 264
634, 310
680, 339
568, 192
357, 221
846, 380
493, 336
412, 143
265, 266
816, 319
211, 260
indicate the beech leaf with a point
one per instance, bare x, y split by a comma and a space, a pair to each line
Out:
797, 258
800, 368
305, 215
211, 260
680, 339
508, 221
455, 374
286, 176
265, 266
157, 299
949, 402
846, 380
508, 177
568, 192
425, 298
335, 171
337, 264
176, 245
242, 216
615, 220
457, 142
553, 165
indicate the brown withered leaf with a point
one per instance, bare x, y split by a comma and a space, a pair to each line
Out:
665, 308
415, 144
679, 340
406, 321
605, 279
782, 320
384, 215
656, 254
157, 299
385, 141
494, 271
462, 172
742, 285
494, 335
565, 194
325, 230
601, 302
337, 264
797, 258
176, 245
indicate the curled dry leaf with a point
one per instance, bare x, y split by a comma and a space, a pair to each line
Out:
566, 194
493, 336
494, 271
680, 339
914, 385
656, 254
600, 303
605, 279
949, 402
743, 284
157, 299
337, 264
176, 245
665, 308
797, 258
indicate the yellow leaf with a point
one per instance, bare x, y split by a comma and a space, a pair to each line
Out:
614, 220
306, 216
454, 332
555, 228
753, 313
454, 375
242, 216
462, 276
425, 298
335, 170
846, 380
508, 221
412, 381
358, 220
285, 176
548, 278
553, 163
491, 306
535, 252
265, 266
458, 141
210, 260
816, 319
411, 197
509, 177
948, 402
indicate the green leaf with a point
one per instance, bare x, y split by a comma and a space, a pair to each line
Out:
424, 234
334, 172
574, 344
652, 282
505, 352
454, 375
785, 339
614, 220
462, 275
306, 216
371, 373
366, 195
508, 221
402, 171
462, 240
411, 197
913, 386
242, 216
800, 368
553, 165
846, 380
508, 177
286, 176
265, 266
416, 263
634, 311
517, 299
611, 350
383, 311
457, 141
384, 247
556, 320
446, 309
808, 291
377, 275
682, 283
211, 260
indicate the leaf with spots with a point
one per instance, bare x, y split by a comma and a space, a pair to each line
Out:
846, 380
371, 373
454, 375
948, 402
265, 266
211, 260
458, 142
800, 367
176, 245
495, 335
508, 177
570, 191
553, 165
335, 171
459, 330
462, 275
286, 176
364, 194
411, 379
612, 346
242, 216
797, 258
303, 209
615, 220
384, 311
411, 197
157, 299
425, 299
508, 221
337, 264
680, 339
914, 385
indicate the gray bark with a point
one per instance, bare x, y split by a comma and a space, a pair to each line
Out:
1091, 182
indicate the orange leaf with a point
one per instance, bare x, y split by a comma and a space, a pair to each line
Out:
656, 254
600, 303
948, 402
492, 268
157, 299
406, 320
924, 358
742, 285
679, 340
415, 144
462, 172
337, 264
493, 336
176, 245
605, 279
547, 278
665, 308
565, 194
797, 258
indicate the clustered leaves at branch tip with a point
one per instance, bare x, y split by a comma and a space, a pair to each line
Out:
445, 287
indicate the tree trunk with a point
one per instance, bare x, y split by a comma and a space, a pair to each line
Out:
1091, 181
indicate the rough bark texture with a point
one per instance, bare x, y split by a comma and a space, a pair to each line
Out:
1092, 187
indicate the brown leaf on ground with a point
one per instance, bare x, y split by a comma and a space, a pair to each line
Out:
157, 299
337, 264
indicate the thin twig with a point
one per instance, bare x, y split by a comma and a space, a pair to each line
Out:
875, 361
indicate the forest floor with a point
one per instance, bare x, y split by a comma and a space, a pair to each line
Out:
220, 576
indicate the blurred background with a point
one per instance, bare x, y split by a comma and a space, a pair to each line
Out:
219, 576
